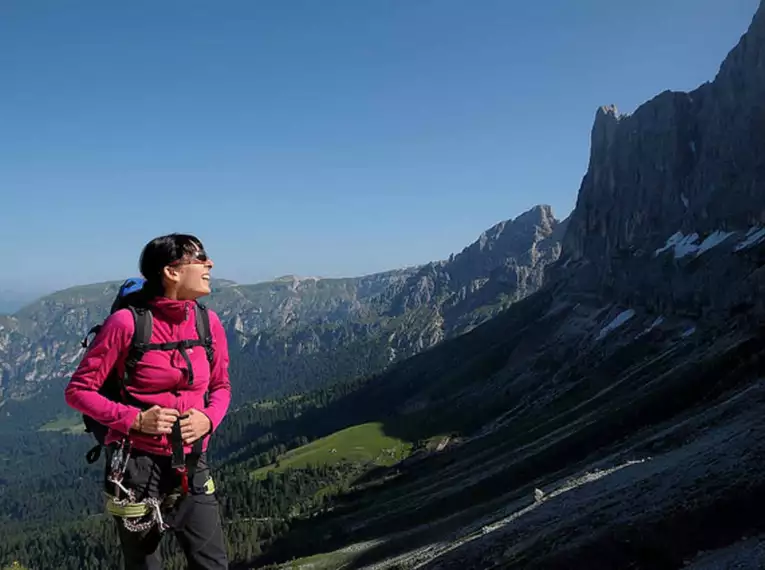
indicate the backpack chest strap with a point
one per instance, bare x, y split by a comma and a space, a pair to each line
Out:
181, 346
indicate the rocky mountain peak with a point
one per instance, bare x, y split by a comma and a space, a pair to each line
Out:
605, 126
687, 165
516, 235
540, 215
748, 56
506, 261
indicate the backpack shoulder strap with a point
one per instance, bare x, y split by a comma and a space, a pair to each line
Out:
203, 330
205, 335
143, 322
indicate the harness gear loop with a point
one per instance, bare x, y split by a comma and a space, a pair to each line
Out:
129, 510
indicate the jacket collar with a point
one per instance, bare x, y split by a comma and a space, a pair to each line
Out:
171, 309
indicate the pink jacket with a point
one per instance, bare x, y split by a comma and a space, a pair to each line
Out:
159, 376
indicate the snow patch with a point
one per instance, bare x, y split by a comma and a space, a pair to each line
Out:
686, 245
685, 200
683, 245
657, 321
688, 332
692, 144
754, 236
715, 238
618, 321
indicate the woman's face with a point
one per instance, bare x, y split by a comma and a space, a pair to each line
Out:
192, 275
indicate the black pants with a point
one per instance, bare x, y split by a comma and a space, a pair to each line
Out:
194, 518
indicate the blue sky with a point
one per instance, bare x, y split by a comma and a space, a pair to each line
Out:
317, 137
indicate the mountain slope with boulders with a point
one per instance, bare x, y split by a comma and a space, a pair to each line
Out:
294, 334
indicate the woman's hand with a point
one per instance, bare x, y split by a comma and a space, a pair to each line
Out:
155, 420
194, 424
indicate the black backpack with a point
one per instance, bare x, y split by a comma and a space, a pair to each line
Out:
131, 296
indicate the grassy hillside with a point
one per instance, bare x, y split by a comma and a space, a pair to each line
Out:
364, 444
65, 423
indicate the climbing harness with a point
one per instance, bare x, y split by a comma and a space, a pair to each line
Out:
128, 509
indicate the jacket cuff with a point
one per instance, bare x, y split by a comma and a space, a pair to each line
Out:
126, 419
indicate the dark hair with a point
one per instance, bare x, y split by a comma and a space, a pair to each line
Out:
161, 252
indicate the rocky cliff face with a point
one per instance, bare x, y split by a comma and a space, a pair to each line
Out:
682, 177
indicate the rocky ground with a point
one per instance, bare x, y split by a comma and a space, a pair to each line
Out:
657, 501
664, 468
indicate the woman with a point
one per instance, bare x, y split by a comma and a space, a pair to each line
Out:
164, 404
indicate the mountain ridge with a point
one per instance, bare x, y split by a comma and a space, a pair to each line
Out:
372, 319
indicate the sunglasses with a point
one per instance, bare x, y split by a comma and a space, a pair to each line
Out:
197, 258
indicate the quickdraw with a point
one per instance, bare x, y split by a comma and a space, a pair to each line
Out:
127, 507
118, 466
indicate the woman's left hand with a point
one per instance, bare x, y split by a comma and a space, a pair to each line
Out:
194, 425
